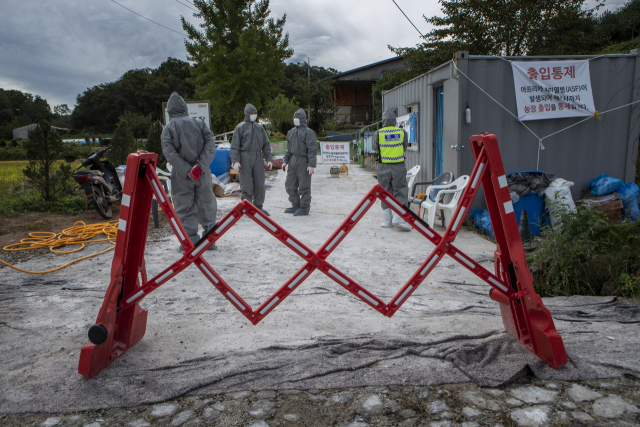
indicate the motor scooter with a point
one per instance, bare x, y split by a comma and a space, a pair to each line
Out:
100, 182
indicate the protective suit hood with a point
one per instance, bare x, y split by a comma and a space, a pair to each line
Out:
302, 116
249, 110
388, 118
176, 106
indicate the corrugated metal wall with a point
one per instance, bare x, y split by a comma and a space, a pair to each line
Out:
578, 154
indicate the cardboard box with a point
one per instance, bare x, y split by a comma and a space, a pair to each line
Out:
613, 210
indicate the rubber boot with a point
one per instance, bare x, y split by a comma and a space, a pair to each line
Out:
212, 247
401, 223
292, 209
304, 210
386, 218
262, 210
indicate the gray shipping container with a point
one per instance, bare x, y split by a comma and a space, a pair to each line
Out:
578, 154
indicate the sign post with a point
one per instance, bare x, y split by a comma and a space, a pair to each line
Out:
200, 110
335, 152
553, 89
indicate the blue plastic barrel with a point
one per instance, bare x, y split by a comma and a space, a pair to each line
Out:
221, 162
534, 205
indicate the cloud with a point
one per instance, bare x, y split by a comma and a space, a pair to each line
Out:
59, 49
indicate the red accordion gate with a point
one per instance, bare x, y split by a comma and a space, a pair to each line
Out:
121, 321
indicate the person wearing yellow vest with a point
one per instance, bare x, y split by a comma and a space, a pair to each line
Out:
390, 142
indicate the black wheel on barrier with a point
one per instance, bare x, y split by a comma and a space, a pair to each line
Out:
98, 334
103, 207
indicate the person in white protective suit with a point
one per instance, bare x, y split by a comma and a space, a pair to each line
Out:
299, 162
390, 142
249, 143
189, 146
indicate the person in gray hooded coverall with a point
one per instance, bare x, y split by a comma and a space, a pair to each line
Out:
189, 146
249, 142
392, 176
300, 158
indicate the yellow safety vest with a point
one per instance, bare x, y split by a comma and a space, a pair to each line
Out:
391, 142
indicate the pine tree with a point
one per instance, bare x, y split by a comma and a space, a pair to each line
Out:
46, 171
238, 56
123, 143
154, 142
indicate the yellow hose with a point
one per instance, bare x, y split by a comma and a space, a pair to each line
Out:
80, 234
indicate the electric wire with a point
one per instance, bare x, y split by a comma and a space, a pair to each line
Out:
78, 235
170, 29
185, 5
405, 15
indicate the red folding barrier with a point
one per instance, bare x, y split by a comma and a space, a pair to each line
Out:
121, 322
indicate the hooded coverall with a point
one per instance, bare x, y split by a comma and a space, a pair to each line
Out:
249, 142
301, 152
392, 176
187, 142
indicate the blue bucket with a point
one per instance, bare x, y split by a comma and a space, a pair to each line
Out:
534, 205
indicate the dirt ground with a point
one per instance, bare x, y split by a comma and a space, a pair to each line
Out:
321, 337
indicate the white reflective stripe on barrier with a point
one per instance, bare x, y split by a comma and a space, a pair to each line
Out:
368, 298
459, 218
135, 296
423, 228
224, 225
466, 261
175, 224
200, 248
362, 208
498, 284
475, 180
508, 207
122, 225
158, 193
230, 295
333, 242
265, 222
404, 295
298, 247
164, 277
298, 279
210, 274
273, 301
126, 199
394, 204
339, 277
424, 271
502, 180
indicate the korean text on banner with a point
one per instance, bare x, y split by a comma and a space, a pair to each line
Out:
553, 89
335, 152
408, 123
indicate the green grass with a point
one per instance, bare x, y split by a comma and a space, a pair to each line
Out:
624, 47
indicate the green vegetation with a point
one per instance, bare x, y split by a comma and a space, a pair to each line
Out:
123, 143
588, 256
154, 142
46, 172
239, 56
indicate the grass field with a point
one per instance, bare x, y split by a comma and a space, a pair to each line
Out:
12, 180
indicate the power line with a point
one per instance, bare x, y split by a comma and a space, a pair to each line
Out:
405, 15
170, 29
187, 6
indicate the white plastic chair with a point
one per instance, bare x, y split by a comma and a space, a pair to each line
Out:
412, 174
431, 207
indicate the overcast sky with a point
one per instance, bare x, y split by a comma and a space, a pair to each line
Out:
59, 48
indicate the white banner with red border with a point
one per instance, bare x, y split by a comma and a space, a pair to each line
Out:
552, 89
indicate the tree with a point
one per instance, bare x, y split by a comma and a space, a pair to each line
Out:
154, 142
123, 143
280, 112
238, 56
506, 28
62, 110
45, 151
139, 91
20, 109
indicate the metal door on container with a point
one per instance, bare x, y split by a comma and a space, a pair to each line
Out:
438, 161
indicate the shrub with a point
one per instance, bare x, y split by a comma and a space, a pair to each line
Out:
587, 256
154, 142
45, 152
123, 143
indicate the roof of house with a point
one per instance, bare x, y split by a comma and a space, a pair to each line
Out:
364, 67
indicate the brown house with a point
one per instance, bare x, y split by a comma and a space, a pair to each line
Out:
353, 91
